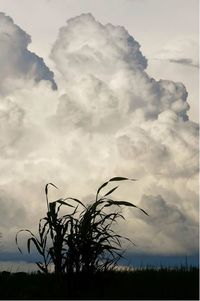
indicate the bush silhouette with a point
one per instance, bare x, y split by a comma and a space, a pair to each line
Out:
82, 240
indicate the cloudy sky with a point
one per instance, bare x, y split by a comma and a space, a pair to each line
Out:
95, 89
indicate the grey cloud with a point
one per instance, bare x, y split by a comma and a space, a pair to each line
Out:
183, 50
16, 60
184, 61
169, 221
12, 212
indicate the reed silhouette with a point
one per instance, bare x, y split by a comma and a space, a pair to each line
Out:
83, 240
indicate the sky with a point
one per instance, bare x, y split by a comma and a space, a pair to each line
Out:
95, 89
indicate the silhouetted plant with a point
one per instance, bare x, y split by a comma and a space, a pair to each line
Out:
53, 230
79, 241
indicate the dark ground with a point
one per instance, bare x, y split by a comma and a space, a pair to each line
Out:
147, 284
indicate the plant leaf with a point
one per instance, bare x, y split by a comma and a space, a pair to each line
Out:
99, 189
16, 237
62, 202
111, 180
109, 192
36, 243
120, 179
46, 187
41, 266
76, 200
124, 203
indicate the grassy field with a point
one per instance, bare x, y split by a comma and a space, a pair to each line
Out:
149, 284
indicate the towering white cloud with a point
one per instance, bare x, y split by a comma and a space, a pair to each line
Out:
108, 118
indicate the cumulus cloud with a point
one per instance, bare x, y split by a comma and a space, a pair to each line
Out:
120, 73
108, 118
16, 61
114, 50
166, 222
11, 123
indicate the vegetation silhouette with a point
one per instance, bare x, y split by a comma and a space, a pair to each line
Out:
144, 284
82, 240
82, 247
